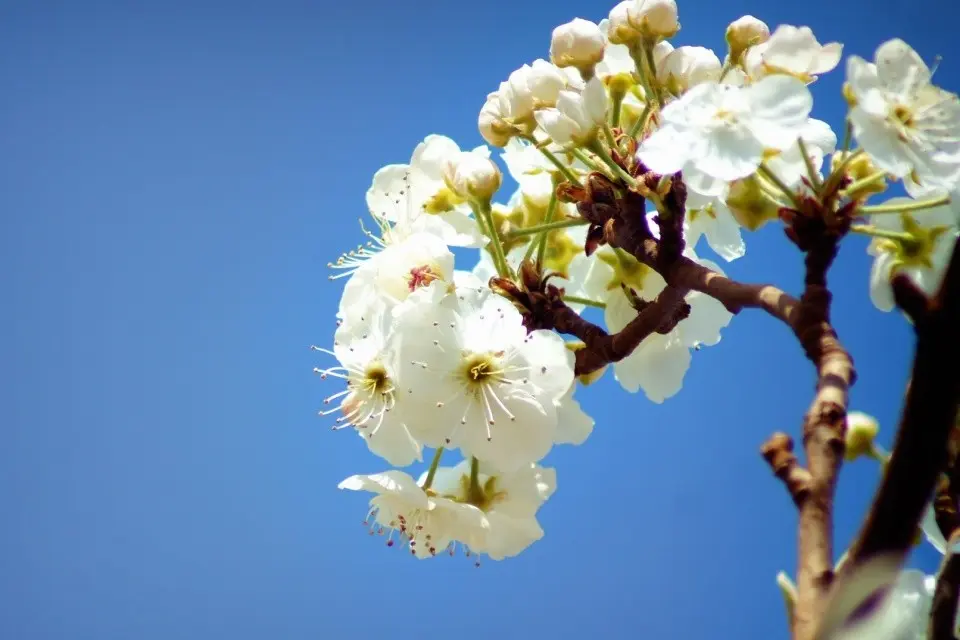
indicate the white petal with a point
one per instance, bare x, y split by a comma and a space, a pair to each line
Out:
574, 426
730, 153
880, 143
666, 150
780, 106
900, 70
881, 293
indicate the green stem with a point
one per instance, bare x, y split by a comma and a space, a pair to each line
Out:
765, 171
582, 157
812, 172
863, 183
648, 54
482, 208
585, 301
601, 153
608, 134
432, 471
474, 491
638, 125
847, 137
547, 226
870, 230
548, 219
617, 98
562, 168
917, 205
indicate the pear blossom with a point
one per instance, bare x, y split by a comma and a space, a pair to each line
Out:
532, 86
789, 165
574, 426
578, 43
793, 51
425, 522
616, 57
394, 272
924, 258
905, 123
406, 199
530, 168
745, 32
659, 363
367, 352
903, 614
721, 131
577, 116
653, 19
475, 379
474, 176
492, 125
499, 511
861, 431
710, 218
685, 67
621, 30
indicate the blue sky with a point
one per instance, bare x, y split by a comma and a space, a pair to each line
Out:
174, 178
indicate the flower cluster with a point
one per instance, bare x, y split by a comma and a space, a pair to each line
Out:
437, 357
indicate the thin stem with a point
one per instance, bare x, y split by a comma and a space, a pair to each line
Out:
837, 173
548, 219
547, 226
812, 172
585, 301
765, 171
638, 125
562, 168
482, 208
585, 159
432, 471
917, 205
864, 183
648, 54
847, 137
474, 492
870, 230
601, 153
617, 98
608, 134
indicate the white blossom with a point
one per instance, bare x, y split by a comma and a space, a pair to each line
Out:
577, 116
475, 379
427, 524
578, 43
531, 87
923, 258
793, 51
499, 514
905, 123
653, 19
367, 350
620, 29
745, 32
709, 217
722, 131
492, 124
474, 176
685, 67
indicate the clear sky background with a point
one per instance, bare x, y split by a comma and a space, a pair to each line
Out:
174, 177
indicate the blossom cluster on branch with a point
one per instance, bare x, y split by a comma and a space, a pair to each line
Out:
629, 155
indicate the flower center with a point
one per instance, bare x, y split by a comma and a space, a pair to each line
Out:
480, 369
421, 276
375, 378
903, 115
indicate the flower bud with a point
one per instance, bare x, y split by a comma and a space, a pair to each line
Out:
475, 176
686, 67
578, 43
861, 432
494, 129
620, 31
745, 32
857, 169
654, 19
750, 206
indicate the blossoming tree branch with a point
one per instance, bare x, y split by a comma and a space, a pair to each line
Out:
629, 155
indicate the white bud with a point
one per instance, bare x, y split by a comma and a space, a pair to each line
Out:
530, 87
686, 67
578, 43
620, 31
474, 176
545, 82
577, 116
861, 432
491, 123
655, 19
744, 33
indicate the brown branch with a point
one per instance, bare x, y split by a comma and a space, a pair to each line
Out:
943, 612
920, 450
778, 452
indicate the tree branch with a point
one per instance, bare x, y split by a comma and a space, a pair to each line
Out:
920, 450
